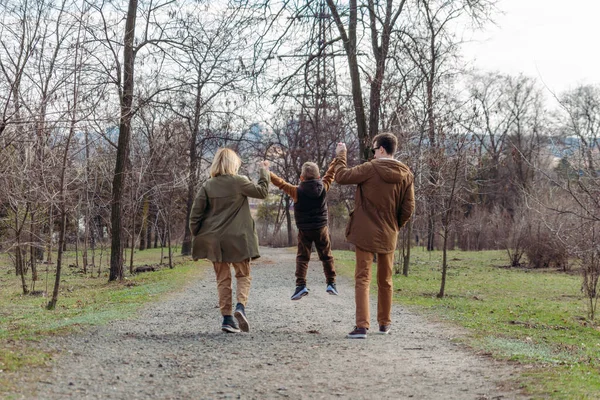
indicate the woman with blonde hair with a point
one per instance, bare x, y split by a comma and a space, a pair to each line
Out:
224, 232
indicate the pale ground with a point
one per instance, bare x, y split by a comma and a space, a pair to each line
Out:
175, 350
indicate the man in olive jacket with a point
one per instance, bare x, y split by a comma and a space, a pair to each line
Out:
384, 202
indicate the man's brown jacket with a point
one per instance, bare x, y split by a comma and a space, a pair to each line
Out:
383, 203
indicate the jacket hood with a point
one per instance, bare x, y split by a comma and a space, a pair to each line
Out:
312, 188
391, 171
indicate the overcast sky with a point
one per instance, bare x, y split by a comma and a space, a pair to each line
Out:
555, 41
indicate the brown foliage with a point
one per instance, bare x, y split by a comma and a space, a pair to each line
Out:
544, 250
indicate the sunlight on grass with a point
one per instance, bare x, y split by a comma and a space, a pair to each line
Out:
518, 350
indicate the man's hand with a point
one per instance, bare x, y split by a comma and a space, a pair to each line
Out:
341, 147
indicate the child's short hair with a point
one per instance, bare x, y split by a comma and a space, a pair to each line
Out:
310, 170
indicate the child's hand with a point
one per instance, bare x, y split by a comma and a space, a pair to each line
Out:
341, 147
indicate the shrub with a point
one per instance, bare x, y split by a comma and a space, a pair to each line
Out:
544, 250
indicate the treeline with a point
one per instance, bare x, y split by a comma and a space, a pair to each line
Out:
110, 114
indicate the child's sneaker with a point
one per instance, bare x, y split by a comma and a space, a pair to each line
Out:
229, 325
240, 315
300, 292
331, 289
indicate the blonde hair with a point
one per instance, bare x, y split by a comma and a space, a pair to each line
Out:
310, 170
226, 162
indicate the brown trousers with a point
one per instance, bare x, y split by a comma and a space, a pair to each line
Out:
243, 279
320, 237
362, 277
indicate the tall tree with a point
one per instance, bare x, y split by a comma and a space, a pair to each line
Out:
382, 19
126, 99
581, 107
147, 46
209, 72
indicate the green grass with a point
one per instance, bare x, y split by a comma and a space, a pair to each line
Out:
84, 300
536, 318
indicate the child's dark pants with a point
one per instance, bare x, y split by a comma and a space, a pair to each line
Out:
320, 237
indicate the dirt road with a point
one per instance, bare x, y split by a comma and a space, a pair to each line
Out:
175, 350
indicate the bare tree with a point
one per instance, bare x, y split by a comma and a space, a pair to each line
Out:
452, 166
582, 109
209, 70
147, 45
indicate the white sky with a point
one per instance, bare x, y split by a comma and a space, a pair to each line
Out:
555, 41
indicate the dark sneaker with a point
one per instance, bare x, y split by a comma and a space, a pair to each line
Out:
300, 292
358, 333
384, 329
240, 315
331, 289
229, 325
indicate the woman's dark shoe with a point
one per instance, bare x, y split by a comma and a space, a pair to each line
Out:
229, 325
240, 315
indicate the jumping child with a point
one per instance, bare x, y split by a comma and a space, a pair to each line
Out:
310, 213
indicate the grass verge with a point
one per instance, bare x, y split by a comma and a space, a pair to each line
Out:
536, 318
84, 300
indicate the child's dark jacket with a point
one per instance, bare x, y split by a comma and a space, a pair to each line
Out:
310, 199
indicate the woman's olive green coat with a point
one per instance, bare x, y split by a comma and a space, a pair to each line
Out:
220, 220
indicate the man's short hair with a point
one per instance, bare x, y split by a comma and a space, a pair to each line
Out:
310, 170
388, 141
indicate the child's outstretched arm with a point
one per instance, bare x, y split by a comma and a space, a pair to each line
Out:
289, 189
329, 175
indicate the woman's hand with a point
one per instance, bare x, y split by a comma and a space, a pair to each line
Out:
264, 164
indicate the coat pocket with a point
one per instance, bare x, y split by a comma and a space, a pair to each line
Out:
349, 226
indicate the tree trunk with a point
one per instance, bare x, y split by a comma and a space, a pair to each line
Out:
169, 244
63, 221
50, 238
350, 42
156, 232
84, 252
61, 240
151, 217
62, 196
144, 228
132, 230
116, 254
186, 246
87, 223
381, 53
430, 231
33, 250
20, 265
132, 242
444, 266
163, 236
77, 248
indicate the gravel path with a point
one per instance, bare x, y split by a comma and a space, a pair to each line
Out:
175, 350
